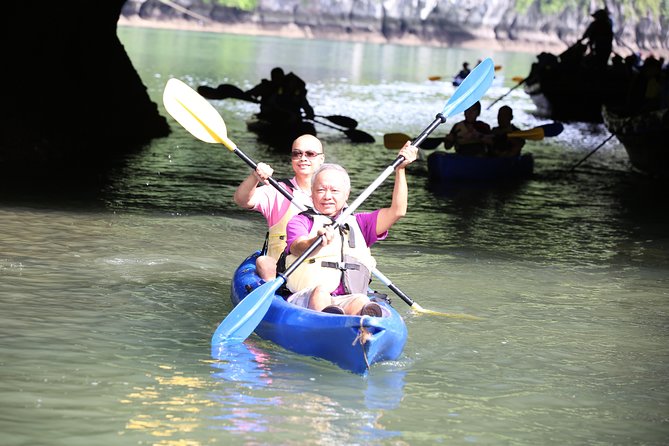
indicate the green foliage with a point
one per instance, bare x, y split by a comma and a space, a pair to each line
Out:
245, 5
641, 7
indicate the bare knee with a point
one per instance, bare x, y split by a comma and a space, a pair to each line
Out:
266, 268
355, 305
319, 299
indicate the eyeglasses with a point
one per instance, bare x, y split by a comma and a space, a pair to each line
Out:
297, 154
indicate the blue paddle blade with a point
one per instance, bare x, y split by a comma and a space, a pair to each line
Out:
553, 129
245, 317
471, 89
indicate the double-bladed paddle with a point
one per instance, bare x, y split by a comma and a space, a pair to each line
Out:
354, 135
246, 316
198, 116
229, 91
538, 133
395, 141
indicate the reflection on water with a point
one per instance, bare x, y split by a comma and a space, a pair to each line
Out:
310, 399
242, 363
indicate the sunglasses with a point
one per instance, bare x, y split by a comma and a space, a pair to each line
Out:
297, 154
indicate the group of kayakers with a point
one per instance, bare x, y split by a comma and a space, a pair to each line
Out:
630, 83
334, 278
472, 137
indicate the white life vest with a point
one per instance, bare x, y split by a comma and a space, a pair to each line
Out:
347, 259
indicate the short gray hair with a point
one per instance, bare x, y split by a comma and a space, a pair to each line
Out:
332, 166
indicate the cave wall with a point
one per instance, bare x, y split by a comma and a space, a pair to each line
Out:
72, 96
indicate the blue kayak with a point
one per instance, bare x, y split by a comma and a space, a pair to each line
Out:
353, 343
445, 167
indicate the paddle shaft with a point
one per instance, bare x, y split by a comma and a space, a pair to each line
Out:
591, 152
378, 274
440, 119
386, 281
506, 94
353, 134
271, 180
326, 124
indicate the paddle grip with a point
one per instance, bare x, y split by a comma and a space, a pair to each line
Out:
271, 180
440, 119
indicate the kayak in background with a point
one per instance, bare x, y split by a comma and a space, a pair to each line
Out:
447, 167
279, 135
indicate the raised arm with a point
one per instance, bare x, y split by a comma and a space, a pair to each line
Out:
398, 207
244, 195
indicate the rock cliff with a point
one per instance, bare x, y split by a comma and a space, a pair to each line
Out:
438, 22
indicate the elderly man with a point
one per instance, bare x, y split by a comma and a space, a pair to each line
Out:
334, 278
307, 156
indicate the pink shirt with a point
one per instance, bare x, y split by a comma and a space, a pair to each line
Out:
301, 225
273, 205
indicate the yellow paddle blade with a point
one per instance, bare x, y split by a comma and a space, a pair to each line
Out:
395, 141
418, 309
535, 134
195, 114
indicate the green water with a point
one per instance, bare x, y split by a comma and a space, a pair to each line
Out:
108, 299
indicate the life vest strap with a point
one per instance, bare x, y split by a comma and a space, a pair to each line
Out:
343, 266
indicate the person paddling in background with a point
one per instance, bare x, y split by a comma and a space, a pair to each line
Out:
283, 98
267, 91
470, 136
503, 146
334, 278
457, 80
307, 156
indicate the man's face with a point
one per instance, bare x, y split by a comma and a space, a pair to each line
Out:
307, 156
329, 192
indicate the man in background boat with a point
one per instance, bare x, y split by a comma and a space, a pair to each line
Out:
599, 35
307, 156
334, 279
470, 137
503, 146
283, 98
267, 90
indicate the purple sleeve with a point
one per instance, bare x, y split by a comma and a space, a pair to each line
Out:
298, 226
367, 223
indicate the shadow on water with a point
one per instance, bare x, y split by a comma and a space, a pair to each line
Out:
62, 184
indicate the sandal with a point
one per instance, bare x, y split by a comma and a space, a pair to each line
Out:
371, 309
332, 309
